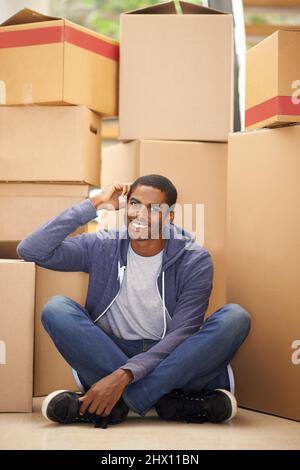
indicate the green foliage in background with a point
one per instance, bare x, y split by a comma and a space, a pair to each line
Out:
104, 14
104, 17
272, 18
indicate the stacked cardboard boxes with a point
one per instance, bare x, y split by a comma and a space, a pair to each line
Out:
175, 115
57, 81
263, 252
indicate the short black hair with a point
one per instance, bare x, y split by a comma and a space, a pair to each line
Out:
159, 182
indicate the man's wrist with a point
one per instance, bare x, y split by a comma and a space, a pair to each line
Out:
96, 201
125, 374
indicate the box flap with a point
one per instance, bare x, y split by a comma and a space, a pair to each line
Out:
27, 16
158, 8
192, 8
289, 28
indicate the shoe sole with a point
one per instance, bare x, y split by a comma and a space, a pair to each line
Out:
233, 404
46, 402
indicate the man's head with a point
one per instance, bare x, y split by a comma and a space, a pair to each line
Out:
150, 205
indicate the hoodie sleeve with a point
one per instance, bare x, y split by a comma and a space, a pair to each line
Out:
187, 317
47, 246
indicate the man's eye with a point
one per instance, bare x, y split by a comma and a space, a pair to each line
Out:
135, 204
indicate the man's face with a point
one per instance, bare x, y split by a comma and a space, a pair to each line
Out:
147, 212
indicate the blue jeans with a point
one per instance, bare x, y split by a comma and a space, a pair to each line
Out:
198, 363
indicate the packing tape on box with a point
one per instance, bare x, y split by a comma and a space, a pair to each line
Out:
2, 92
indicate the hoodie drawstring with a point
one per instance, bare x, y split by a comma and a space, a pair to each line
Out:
120, 273
120, 277
164, 305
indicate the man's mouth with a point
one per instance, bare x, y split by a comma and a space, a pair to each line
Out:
139, 225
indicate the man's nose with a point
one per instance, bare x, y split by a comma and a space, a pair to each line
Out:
142, 212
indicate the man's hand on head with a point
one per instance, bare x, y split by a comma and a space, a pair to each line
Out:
111, 197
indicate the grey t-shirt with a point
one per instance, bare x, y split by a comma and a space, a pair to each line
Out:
137, 311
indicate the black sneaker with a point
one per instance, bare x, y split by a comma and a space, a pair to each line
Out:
62, 406
215, 406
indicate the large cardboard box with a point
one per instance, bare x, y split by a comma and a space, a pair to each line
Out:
25, 206
120, 162
264, 266
273, 80
51, 371
59, 143
176, 73
47, 60
17, 282
198, 170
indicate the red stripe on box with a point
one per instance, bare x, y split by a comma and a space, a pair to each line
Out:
31, 37
55, 34
91, 43
277, 106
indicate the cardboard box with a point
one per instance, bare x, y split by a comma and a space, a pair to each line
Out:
176, 73
198, 170
120, 162
273, 80
51, 371
25, 206
47, 60
264, 266
17, 282
59, 143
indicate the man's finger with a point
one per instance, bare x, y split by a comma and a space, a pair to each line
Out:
102, 410
128, 186
94, 405
85, 404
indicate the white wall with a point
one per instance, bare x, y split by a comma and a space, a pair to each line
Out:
10, 7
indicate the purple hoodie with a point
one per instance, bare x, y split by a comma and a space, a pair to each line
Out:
184, 283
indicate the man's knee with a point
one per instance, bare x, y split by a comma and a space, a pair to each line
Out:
238, 318
53, 310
